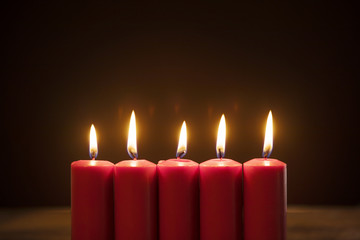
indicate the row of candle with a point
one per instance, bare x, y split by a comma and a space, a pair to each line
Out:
179, 198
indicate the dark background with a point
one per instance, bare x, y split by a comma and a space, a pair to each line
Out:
70, 65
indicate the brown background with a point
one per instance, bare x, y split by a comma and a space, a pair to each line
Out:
70, 65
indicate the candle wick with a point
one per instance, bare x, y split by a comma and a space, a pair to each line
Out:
178, 157
220, 153
135, 158
93, 159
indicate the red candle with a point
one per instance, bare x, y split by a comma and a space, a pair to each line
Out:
179, 196
220, 194
92, 199
265, 194
135, 183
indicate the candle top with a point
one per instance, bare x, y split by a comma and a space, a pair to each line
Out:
267, 162
177, 162
135, 163
92, 163
217, 162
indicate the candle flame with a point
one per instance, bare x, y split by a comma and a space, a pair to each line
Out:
131, 144
268, 142
93, 146
182, 146
220, 143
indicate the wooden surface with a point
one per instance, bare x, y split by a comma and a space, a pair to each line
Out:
305, 223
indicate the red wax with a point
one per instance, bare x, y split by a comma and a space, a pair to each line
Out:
220, 199
92, 200
135, 184
178, 199
264, 199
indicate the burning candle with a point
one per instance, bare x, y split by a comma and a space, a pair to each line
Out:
179, 195
220, 194
92, 200
135, 184
265, 194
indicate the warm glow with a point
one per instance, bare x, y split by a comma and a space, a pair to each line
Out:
131, 145
220, 143
182, 146
93, 146
268, 142
181, 164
